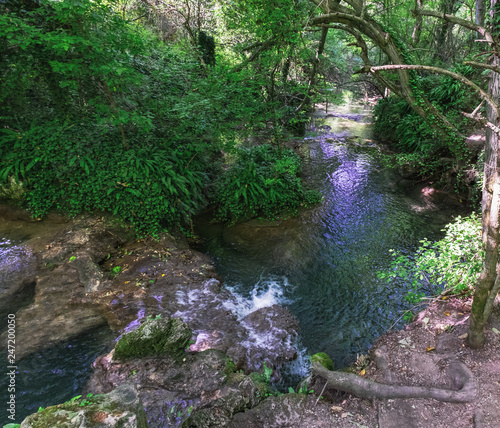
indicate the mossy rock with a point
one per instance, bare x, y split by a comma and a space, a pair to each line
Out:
323, 359
153, 338
121, 407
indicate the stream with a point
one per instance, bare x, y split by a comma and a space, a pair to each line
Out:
321, 265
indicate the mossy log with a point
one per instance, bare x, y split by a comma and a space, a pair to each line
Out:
365, 388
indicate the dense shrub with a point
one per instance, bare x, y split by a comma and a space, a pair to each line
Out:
453, 262
397, 122
98, 114
262, 181
154, 186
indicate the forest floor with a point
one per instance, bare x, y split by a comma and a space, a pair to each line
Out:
419, 355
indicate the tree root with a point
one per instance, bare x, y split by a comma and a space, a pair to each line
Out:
353, 384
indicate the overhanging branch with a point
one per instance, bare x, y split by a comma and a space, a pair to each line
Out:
437, 70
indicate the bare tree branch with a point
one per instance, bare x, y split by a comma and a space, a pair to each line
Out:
437, 70
482, 65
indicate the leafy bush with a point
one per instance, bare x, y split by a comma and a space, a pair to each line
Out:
262, 182
97, 114
395, 121
153, 186
453, 262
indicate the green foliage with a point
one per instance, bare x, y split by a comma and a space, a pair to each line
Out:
98, 115
453, 262
268, 371
73, 169
262, 181
396, 121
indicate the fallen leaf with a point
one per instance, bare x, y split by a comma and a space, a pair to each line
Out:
447, 313
426, 320
336, 409
430, 348
362, 372
495, 330
444, 298
126, 282
460, 313
463, 336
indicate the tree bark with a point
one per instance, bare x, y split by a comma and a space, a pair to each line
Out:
312, 78
480, 12
489, 281
365, 388
417, 29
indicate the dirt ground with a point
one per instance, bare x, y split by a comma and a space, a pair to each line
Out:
419, 356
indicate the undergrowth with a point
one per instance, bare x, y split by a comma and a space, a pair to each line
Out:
454, 262
262, 181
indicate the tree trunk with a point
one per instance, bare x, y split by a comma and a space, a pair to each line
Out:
480, 12
489, 281
417, 29
444, 52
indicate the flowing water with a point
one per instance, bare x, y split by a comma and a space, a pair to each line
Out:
53, 375
323, 265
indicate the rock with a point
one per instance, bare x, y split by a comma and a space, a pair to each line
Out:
120, 408
203, 387
226, 402
267, 339
323, 359
285, 411
155, 337
67, 271
17, 278
12, 190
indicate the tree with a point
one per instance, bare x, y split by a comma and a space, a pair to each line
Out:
355, 19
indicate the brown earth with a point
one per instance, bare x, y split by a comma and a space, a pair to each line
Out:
419, 356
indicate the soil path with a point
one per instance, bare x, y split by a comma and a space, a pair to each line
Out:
420, 355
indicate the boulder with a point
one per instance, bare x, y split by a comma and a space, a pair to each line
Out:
202, 388
286, 411
120, 408
154, 337
267, 339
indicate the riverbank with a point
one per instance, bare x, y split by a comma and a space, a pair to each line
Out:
417, 355
92, 272
124, 281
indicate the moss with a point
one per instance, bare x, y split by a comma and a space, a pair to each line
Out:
230, 367
153, 338
323, 359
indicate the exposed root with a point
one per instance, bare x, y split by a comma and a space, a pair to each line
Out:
353, 384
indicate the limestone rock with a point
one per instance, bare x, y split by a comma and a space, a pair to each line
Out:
154, 337
120, 408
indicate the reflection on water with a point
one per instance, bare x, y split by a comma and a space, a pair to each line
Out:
56, 375
328, 258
